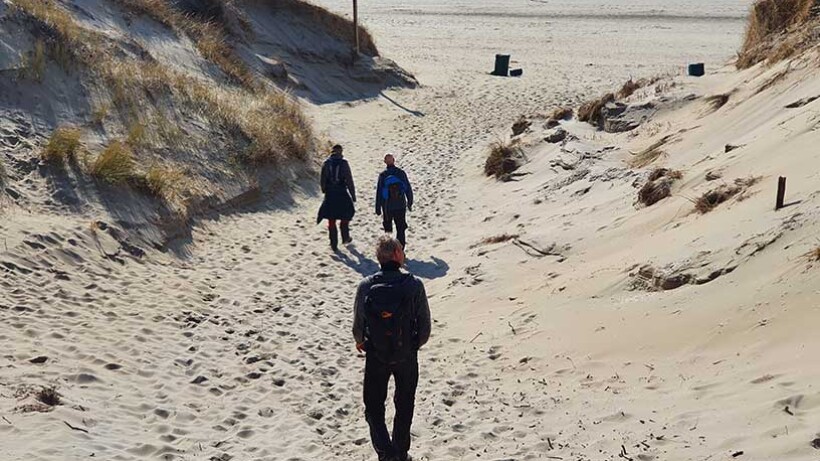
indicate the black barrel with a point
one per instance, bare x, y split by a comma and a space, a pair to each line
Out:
697, 70
502, 65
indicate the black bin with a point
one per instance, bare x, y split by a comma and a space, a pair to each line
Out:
697, 70
502, 65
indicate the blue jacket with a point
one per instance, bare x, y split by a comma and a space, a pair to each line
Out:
408, 190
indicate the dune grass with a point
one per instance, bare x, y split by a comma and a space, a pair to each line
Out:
63, 144
814, 255
561, 113
776, 30
334, 24
165, 182
115, 165
33, 65
590, 111
48, 396
711, 199
208, 37
503, 159
658, 186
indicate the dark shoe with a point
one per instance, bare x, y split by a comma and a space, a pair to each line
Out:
334, 238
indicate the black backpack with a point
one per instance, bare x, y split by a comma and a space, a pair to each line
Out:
335, 177
390, 322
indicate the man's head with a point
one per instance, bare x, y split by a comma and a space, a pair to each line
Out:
337, 149
388, 249
389, 160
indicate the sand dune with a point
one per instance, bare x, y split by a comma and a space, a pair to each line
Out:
571, 321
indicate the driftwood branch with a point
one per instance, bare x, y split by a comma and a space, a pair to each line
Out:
75, 428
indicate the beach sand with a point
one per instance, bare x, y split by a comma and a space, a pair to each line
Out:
545, 346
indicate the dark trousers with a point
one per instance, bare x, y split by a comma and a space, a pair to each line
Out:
398, 217
334, 234
376, 376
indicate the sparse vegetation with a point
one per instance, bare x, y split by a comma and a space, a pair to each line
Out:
504, 159
33, 65
115, 165
136, 134
710, 200
658, 186
338, 26
48, 396
496, 239
165, 182
590, 111
99, 114
777, 29
207, 36
814, 255
629, 88
63, 144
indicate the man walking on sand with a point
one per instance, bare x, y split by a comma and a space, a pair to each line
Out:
340, 194
391, 322
394, 198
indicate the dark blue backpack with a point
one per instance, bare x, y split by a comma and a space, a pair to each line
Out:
393, 189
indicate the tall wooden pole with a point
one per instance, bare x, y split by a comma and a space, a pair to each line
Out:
356, 24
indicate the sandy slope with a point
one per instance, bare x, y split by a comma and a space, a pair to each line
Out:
238, 346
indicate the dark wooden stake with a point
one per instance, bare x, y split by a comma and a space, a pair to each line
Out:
356, 24
781, 193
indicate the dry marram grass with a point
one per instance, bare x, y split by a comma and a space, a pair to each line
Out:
115, 165
338, 26
710, 200
658, 186
590, 111
63, 144
777, 29
504, 158
207, 36
165, 182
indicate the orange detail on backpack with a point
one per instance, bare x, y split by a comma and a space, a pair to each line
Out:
387, 315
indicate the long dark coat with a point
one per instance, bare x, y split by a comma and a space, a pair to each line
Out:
340, 192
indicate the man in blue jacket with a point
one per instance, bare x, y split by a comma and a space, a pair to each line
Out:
394, 198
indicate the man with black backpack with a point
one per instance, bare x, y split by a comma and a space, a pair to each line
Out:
391, 322
340, 194
394, 197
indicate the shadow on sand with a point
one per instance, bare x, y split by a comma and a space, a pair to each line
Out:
358, 262
364, 266
433, 269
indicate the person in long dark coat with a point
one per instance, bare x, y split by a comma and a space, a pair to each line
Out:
340, 194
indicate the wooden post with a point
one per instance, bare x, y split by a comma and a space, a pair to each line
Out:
356, 25
781, 193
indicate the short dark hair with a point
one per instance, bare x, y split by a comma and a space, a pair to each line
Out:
337, 147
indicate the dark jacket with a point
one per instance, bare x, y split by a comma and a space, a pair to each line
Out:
340, 192
407, 200
418, 303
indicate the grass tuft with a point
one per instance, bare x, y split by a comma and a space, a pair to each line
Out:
814, 255
590, 111
62, 145
776, 29
48, 396
115, 164
33, 65
561, 113
504, 158
710, 200
207, 36
658, 186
